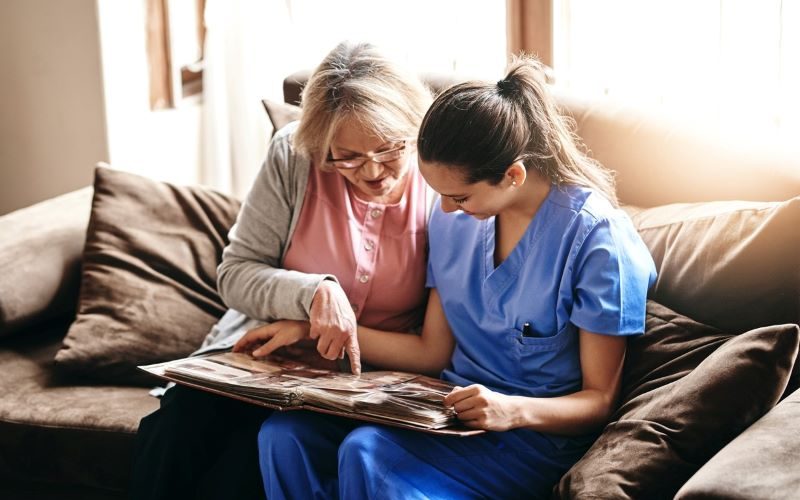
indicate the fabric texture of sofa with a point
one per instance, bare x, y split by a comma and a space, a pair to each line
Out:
721, 218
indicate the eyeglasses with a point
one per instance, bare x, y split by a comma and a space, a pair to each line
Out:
390, 155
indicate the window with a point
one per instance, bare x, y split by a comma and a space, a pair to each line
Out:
175, 39
735, 62
465, 36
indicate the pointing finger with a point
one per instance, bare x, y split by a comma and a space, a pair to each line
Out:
354, 353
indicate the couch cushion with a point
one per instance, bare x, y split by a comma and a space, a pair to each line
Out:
761, 463
148, 285
40, 251
661, 159
58, 429
732, 265
688, 390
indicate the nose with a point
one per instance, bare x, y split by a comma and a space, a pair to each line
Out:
448, 205
371, 170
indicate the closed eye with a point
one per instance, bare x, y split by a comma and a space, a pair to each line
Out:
459, 201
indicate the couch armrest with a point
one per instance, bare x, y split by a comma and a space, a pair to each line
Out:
40, 252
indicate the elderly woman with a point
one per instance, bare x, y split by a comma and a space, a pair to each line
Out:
331, 237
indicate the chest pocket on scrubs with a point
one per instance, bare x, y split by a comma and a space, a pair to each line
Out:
548, 366
537, 342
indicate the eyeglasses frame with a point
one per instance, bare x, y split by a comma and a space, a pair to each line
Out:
331, 162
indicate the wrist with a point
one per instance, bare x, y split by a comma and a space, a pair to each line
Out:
325, 288
329, 285
520, 411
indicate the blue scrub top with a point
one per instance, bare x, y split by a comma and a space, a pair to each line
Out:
580, 264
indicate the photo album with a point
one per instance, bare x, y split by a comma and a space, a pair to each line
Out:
283, 383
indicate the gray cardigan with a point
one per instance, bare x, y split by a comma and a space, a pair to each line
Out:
250, 279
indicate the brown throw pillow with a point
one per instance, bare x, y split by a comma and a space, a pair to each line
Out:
148, 282
280, 114
674, 417
733, 265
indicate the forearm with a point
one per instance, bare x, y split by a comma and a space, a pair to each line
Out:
578, 413
405, 351
264, 292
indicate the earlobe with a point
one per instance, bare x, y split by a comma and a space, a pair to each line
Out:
517, 173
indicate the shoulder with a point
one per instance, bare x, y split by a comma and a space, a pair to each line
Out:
605, 236
283, 176
587, 206
588, 211
596, 231
282, 140
283, 160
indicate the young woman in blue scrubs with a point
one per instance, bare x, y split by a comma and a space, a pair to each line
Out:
536, 275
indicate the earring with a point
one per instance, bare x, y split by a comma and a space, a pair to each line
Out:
513, 183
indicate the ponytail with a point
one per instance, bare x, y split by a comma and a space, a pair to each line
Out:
482, 128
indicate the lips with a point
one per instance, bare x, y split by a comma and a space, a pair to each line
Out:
376, 184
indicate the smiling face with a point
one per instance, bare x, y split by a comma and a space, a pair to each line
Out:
480, 199
375, 182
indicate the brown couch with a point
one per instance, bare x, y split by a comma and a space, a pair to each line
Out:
62, 436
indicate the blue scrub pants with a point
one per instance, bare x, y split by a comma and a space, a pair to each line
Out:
311, 455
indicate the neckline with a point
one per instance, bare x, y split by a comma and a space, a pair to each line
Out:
510, 265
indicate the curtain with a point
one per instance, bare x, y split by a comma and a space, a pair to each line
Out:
246, 59
529, 28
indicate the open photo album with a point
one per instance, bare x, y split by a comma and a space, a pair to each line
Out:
282, 383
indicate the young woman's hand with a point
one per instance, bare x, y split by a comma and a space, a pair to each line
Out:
481, 408
334, 324
263, 340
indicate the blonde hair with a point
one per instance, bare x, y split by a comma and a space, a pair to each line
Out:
482, 128
356, 82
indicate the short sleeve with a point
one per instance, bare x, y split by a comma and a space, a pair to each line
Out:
612, 272
430, 281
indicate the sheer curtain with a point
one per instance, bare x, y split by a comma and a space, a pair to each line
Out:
245, 61
251, 45
733, 63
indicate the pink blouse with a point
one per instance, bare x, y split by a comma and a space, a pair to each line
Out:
377, 252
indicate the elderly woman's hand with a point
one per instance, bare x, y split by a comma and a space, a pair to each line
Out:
265, 339
333, 322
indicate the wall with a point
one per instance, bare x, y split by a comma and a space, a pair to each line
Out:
52, 117
74, 91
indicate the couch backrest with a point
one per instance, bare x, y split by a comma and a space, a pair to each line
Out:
660, 160
40, 256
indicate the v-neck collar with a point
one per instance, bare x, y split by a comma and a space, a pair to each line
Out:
498, 278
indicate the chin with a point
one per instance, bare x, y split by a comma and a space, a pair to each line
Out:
385, 188
478, 216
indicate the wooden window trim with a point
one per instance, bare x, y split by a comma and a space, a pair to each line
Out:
168, 85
